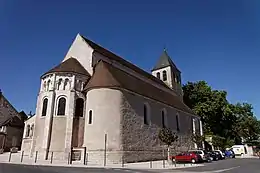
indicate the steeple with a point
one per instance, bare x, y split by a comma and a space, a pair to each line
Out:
164, 61
168, 72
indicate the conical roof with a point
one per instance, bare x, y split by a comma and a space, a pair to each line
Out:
164, 61
70, 65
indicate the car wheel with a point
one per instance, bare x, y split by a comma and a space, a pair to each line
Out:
216, 159
193, 160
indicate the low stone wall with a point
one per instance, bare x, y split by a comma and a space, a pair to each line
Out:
139, 156
98, 157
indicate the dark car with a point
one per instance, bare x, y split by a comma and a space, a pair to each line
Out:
219, 155
214, 155
207, 156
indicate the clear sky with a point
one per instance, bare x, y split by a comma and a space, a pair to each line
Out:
213, 40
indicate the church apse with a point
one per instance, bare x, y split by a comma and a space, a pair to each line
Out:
78, 123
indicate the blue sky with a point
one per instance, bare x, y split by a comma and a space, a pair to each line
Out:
213, 40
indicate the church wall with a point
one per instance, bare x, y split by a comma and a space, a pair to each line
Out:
105, 105
27, 140
78, 132
58, 134
138, 137
39, 135
82, 52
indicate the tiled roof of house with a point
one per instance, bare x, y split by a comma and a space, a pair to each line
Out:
107, 76
7, 118
70, 65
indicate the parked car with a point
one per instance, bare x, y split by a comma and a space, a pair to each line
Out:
221, 154
215, 156
204, 155
207, 156
230, 154
239, 150
186, 157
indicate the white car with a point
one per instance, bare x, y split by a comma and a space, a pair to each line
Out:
239, 150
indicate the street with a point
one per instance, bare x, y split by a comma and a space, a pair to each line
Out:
226, 166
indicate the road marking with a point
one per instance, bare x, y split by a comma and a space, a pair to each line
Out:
222, 170
216, 171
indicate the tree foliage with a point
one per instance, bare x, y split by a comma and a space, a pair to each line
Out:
197, 139
167, 136
228, 123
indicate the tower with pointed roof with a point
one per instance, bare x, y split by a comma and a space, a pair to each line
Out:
167, 71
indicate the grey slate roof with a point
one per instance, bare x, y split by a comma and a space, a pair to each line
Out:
164, 61
114, 57
70, 65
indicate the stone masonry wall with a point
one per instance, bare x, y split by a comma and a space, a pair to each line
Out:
140, 142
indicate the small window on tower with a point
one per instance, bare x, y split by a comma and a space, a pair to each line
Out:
158, 75
90, 117
164, 75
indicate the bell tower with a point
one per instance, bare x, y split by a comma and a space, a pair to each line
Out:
167, 71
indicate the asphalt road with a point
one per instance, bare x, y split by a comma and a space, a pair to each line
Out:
225, 166
13, 168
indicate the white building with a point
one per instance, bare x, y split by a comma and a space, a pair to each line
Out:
93, 93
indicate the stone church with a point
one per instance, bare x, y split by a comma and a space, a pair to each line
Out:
95, 100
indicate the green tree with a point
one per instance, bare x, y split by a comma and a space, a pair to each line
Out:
218, 142
220, 118
168, 137
208, 104
197, 139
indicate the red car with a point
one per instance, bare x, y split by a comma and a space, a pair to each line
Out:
186, 157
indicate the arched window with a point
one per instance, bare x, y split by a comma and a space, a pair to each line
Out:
174, 77
164, 118
177, 122
59, 84
178, 79
79, 84
90, 117
79, 107
44, 86
61, 106
44, 107
27, 131
146, 116
48, 85
66, 84
164, 75
32, 129
158, 75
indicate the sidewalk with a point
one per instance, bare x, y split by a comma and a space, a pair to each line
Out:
247, 157
16, 159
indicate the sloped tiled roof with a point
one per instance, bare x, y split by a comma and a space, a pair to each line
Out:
122, 61
6, 117
107, 76
70, 65
164, 61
